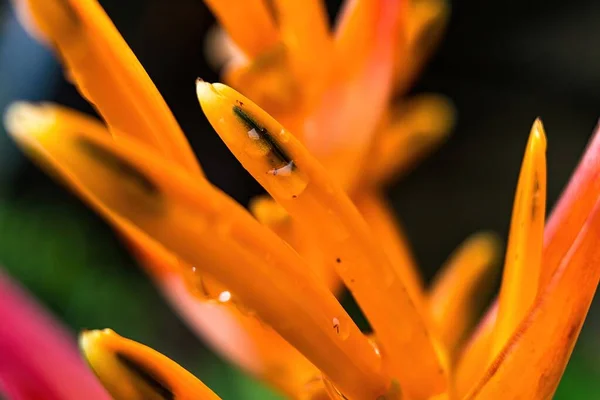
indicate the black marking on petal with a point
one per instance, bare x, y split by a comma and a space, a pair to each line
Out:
279, 158
147, 377
117, 164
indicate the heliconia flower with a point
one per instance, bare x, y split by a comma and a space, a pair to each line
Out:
314, 128
38, 358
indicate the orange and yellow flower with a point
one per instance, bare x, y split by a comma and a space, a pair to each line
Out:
308, 112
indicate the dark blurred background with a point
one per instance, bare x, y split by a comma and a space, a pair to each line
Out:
503, 63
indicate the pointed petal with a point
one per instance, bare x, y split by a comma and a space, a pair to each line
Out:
249, 23
466, 277
524, 251
108, 74
137, 190
382, 222
302, 186
426, 21
130, 370
572, 209
570, 212
531, 364
414, 129
32, 345
340, 129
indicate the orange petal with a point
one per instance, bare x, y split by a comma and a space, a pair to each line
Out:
466, 277
339, 131
138, 191
242, 338
426, 21
249, 23
415, 128
572, 209
305, 34
532, 362
250, 343
130, 370
570, 213
524, 251
108, 74
302, 186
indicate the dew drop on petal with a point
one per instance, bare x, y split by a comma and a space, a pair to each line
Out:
224, 296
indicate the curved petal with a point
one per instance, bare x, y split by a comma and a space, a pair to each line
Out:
531, 364
130, 370
522, 269
107, 73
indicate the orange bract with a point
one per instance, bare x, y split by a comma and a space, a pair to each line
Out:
310, 117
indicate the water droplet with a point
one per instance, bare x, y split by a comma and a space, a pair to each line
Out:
224, 296
201, 286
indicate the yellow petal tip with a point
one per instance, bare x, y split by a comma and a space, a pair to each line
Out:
538, 132
206, 91
91, 339
22, 119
